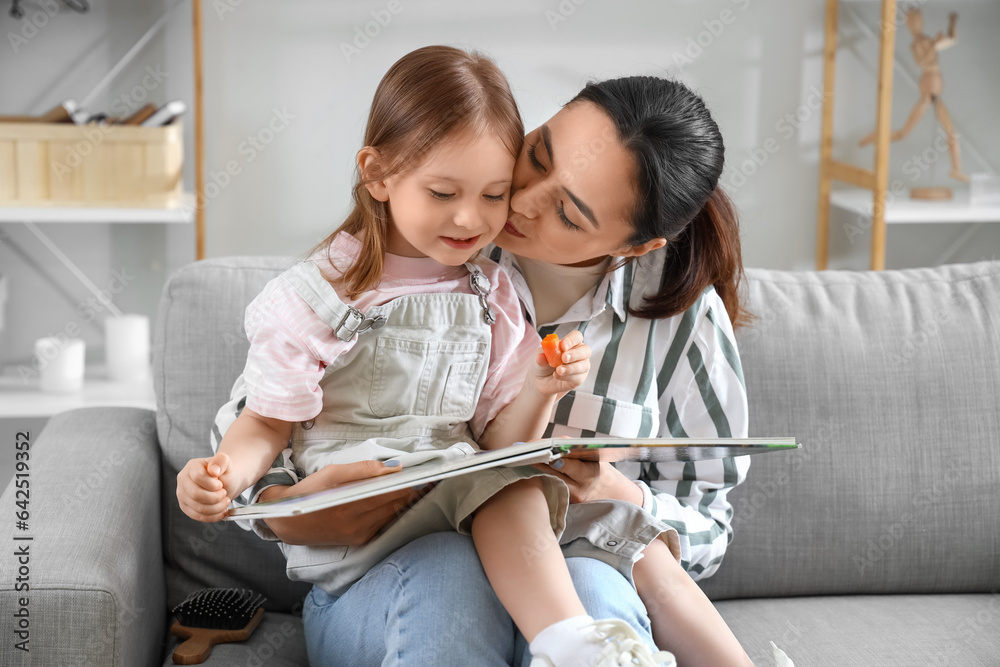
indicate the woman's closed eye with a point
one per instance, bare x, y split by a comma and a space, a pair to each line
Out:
559, 205
534, 158
566, 221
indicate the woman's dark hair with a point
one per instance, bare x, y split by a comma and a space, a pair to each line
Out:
678, 154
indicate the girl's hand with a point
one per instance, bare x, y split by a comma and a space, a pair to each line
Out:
205, 487
351, 524
590, 480
570, 374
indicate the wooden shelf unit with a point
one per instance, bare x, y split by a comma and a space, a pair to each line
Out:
875, 180
186, 212
905, 210
21, 398
182, 214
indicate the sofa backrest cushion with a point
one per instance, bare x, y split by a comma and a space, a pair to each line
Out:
200, 348
891, 382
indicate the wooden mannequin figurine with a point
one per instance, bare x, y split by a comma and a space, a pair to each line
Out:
925, 50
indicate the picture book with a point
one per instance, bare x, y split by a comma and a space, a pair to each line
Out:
523, 453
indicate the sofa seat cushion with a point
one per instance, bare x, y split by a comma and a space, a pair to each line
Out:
858, 630
277, 642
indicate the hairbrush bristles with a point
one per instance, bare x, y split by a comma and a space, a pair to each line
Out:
219, 608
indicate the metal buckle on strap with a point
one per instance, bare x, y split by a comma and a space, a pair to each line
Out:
481, 286
354, 322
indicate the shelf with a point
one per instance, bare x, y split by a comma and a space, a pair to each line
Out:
182, 214
902, 209
18, 399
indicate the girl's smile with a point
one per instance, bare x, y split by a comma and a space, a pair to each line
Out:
461, 244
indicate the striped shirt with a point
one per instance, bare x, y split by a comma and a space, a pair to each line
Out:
675, 377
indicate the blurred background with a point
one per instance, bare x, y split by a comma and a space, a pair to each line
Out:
288, 86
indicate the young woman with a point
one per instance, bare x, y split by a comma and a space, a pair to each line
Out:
617, 228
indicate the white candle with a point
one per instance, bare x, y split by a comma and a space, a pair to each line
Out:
60, 364
126, 347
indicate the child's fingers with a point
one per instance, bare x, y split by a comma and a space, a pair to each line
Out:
202, 505
207, 514
576, 368
576, 357
581, 351
206, 497
573, 381
571, 340
198, 476
217, 465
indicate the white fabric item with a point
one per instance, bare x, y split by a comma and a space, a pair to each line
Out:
574, 282
602, 643
780, 658
555, 643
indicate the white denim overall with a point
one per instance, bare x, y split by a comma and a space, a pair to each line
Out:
406, 390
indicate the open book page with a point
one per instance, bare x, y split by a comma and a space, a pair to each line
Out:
522, 453
665, 449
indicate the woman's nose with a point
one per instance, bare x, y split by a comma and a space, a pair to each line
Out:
529, 200
521, 204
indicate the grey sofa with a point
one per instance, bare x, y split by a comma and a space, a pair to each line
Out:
877, 543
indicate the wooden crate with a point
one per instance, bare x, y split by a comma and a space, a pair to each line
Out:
61, 164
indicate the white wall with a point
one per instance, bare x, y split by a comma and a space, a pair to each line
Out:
756, 62
754, 65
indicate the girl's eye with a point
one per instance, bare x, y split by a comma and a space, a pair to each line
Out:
495, 198
440, 195
565, 220
534, 158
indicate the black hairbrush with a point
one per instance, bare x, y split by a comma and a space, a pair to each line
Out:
214, 616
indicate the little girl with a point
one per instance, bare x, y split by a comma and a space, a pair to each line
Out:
393, 341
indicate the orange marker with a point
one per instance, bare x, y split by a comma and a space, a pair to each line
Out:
550, 346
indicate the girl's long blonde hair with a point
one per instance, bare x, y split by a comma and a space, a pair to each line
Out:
427, 96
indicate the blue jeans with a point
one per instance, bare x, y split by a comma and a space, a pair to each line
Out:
429, 603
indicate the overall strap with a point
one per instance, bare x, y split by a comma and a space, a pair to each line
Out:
481, 286
345, 320
348, 321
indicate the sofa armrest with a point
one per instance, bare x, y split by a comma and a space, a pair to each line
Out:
84, 583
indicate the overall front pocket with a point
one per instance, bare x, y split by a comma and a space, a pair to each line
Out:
427, 378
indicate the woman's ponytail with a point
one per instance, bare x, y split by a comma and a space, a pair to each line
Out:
679, 156
707, 252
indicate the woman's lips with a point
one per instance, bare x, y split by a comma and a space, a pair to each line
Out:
461, 244
512, 230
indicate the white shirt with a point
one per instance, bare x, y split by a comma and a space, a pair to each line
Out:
572, 284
